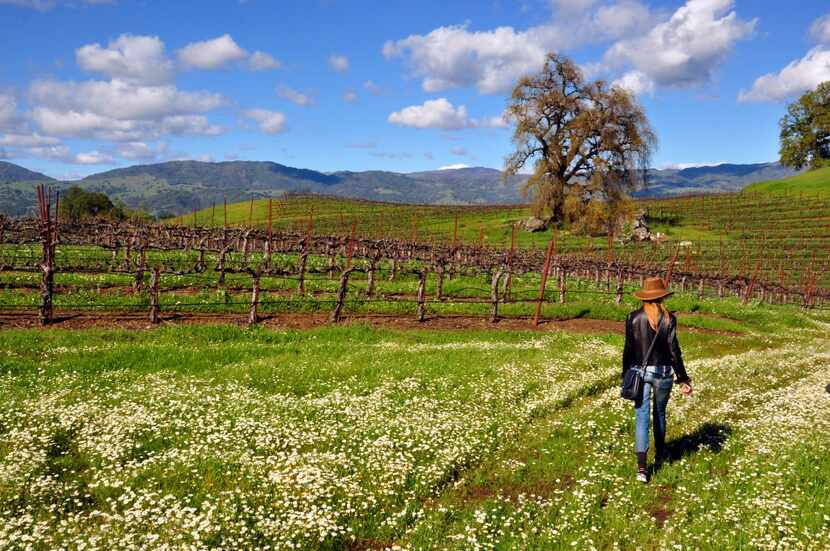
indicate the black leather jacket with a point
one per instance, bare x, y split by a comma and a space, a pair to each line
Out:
638, 336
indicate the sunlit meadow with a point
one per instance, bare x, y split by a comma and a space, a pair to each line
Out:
359, 438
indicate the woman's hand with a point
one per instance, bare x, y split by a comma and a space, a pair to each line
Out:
686, 389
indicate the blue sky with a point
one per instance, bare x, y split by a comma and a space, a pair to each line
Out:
88, 85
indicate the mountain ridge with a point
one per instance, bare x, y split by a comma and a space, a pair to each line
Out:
176, 187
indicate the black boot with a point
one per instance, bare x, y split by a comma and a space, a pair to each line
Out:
660, 456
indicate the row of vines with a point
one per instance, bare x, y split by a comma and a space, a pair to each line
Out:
217, 257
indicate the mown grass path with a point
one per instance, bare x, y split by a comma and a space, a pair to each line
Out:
354, 437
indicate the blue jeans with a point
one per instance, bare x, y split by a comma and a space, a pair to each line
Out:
656, 388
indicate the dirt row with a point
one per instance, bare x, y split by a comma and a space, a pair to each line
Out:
138, 320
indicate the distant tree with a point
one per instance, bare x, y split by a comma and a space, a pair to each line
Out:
581, 138
805, 130
77, 204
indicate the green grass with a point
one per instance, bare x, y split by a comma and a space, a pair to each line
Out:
356, 436
810, 182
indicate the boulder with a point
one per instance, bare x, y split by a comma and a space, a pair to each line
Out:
534, 224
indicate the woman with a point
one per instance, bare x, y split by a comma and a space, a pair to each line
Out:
654, 323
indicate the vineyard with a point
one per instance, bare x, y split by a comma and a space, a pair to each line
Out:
317, 254
320, 262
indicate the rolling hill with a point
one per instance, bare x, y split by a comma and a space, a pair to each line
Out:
177, 187
10, 172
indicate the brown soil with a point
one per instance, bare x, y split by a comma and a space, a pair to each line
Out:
659, 509
367, 545
82, 319
511, 491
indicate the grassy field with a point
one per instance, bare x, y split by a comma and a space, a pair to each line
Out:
354, 437
809, 182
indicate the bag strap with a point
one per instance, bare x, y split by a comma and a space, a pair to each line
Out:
654, 340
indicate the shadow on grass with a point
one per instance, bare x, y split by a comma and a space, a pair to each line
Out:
708, 435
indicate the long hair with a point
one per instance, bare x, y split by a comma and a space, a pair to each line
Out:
653, 308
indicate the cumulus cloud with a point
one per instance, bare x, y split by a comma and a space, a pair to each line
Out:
270, 122
493, 60
455, 166
635, 82
24, 140
440, 113
820, 29
141, 151
437, 113
93, 158
349, 96
211, 54
261, 61
139, 59
339, 63
118, 110
686, 49
295, 97
799, 76
459, 151
8, 109
454, 56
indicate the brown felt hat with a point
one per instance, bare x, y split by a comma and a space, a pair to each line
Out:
653, 288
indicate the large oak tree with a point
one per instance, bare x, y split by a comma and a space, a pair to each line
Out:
805, 130
580, 137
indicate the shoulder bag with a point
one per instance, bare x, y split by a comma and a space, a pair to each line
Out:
632, 383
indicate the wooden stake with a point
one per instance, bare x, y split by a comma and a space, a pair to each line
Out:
494, 296
422, 283
154, 295
341, 296
253, 318
545, 270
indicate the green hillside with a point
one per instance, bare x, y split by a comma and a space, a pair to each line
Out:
809, 182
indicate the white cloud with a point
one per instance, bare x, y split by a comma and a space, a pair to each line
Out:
349, 96
820, 29
686, 49
440, 113
93, 158
139, 59
494, 60
141, 151
261, 61
459, 151
118, 110
211, 54
453, 56
55, 152
437, 113
27, 140
455, 166
339, 63
635, 82
270, 122
294, 96
8, 109
799, 76
189, 125
122, 100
